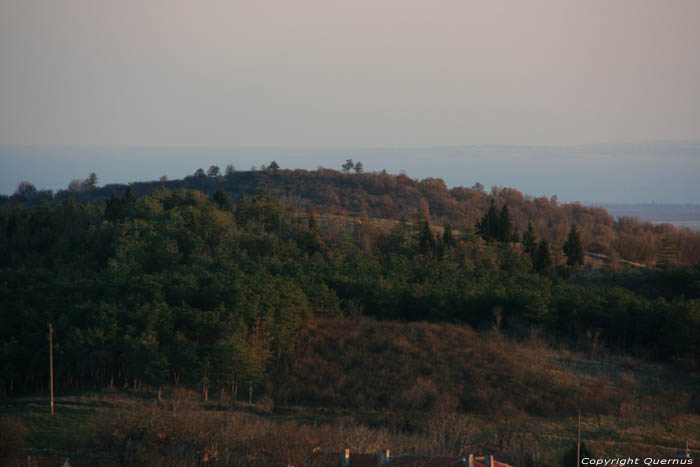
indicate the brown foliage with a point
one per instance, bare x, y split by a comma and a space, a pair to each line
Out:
416, 367
12, 439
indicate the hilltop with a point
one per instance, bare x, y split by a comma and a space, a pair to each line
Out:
395, 197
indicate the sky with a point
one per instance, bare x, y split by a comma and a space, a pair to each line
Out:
135, 89
365, 73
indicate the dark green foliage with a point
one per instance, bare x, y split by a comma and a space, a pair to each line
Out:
573, 248
25, 190
668, 253
426, 239
530, 240
505, 225
177, 287
542, 257
221, 199
348, 166
214, 171
488, 226
91, 182
383, 195
569, 459
496, 225
447, 235
117, 208
274, 166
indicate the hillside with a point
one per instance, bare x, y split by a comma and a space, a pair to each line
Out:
387, 196
414, 388
383, 324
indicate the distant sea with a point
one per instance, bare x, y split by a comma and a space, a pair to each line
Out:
680, 215
660, 172
692, 225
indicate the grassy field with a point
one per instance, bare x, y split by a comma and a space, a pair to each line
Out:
128, 429
629, 407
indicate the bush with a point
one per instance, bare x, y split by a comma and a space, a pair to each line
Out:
12, 439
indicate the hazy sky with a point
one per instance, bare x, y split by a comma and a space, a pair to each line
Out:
347, 73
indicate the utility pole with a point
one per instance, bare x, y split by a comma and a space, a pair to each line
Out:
578, 440
51, 363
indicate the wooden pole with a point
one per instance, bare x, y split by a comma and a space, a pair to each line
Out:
578, 440
51, 365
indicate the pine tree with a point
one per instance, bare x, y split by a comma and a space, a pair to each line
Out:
573, 248
447, 236
348, 166
530, 239
488, 225
542, 257
274, 166
504, 230
221, 199
426, 241
668, 254
90, 183
129, 195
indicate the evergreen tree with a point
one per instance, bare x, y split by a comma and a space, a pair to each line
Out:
312, 241
113, 207
573, 248
274, 166
447, 236
358, 167
221, 199
90, 183
426, 240
668, 254
488, 226
530, 239
542, 258
129, 195
504, 230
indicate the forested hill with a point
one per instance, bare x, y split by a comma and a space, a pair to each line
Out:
179, 287
387, 196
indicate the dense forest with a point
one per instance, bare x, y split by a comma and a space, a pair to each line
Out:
158, 285
388, 196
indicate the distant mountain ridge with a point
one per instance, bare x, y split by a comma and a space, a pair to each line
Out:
663, 171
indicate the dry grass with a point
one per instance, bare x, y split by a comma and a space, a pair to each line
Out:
127, 430
366, 385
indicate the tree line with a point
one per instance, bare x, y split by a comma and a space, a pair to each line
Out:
387, 196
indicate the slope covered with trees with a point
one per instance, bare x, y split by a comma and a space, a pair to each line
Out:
387, 196
180, 288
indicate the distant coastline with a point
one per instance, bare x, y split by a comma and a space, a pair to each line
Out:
680, 215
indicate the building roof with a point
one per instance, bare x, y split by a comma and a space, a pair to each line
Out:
333, 459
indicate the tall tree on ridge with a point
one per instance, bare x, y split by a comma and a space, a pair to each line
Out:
348, 166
